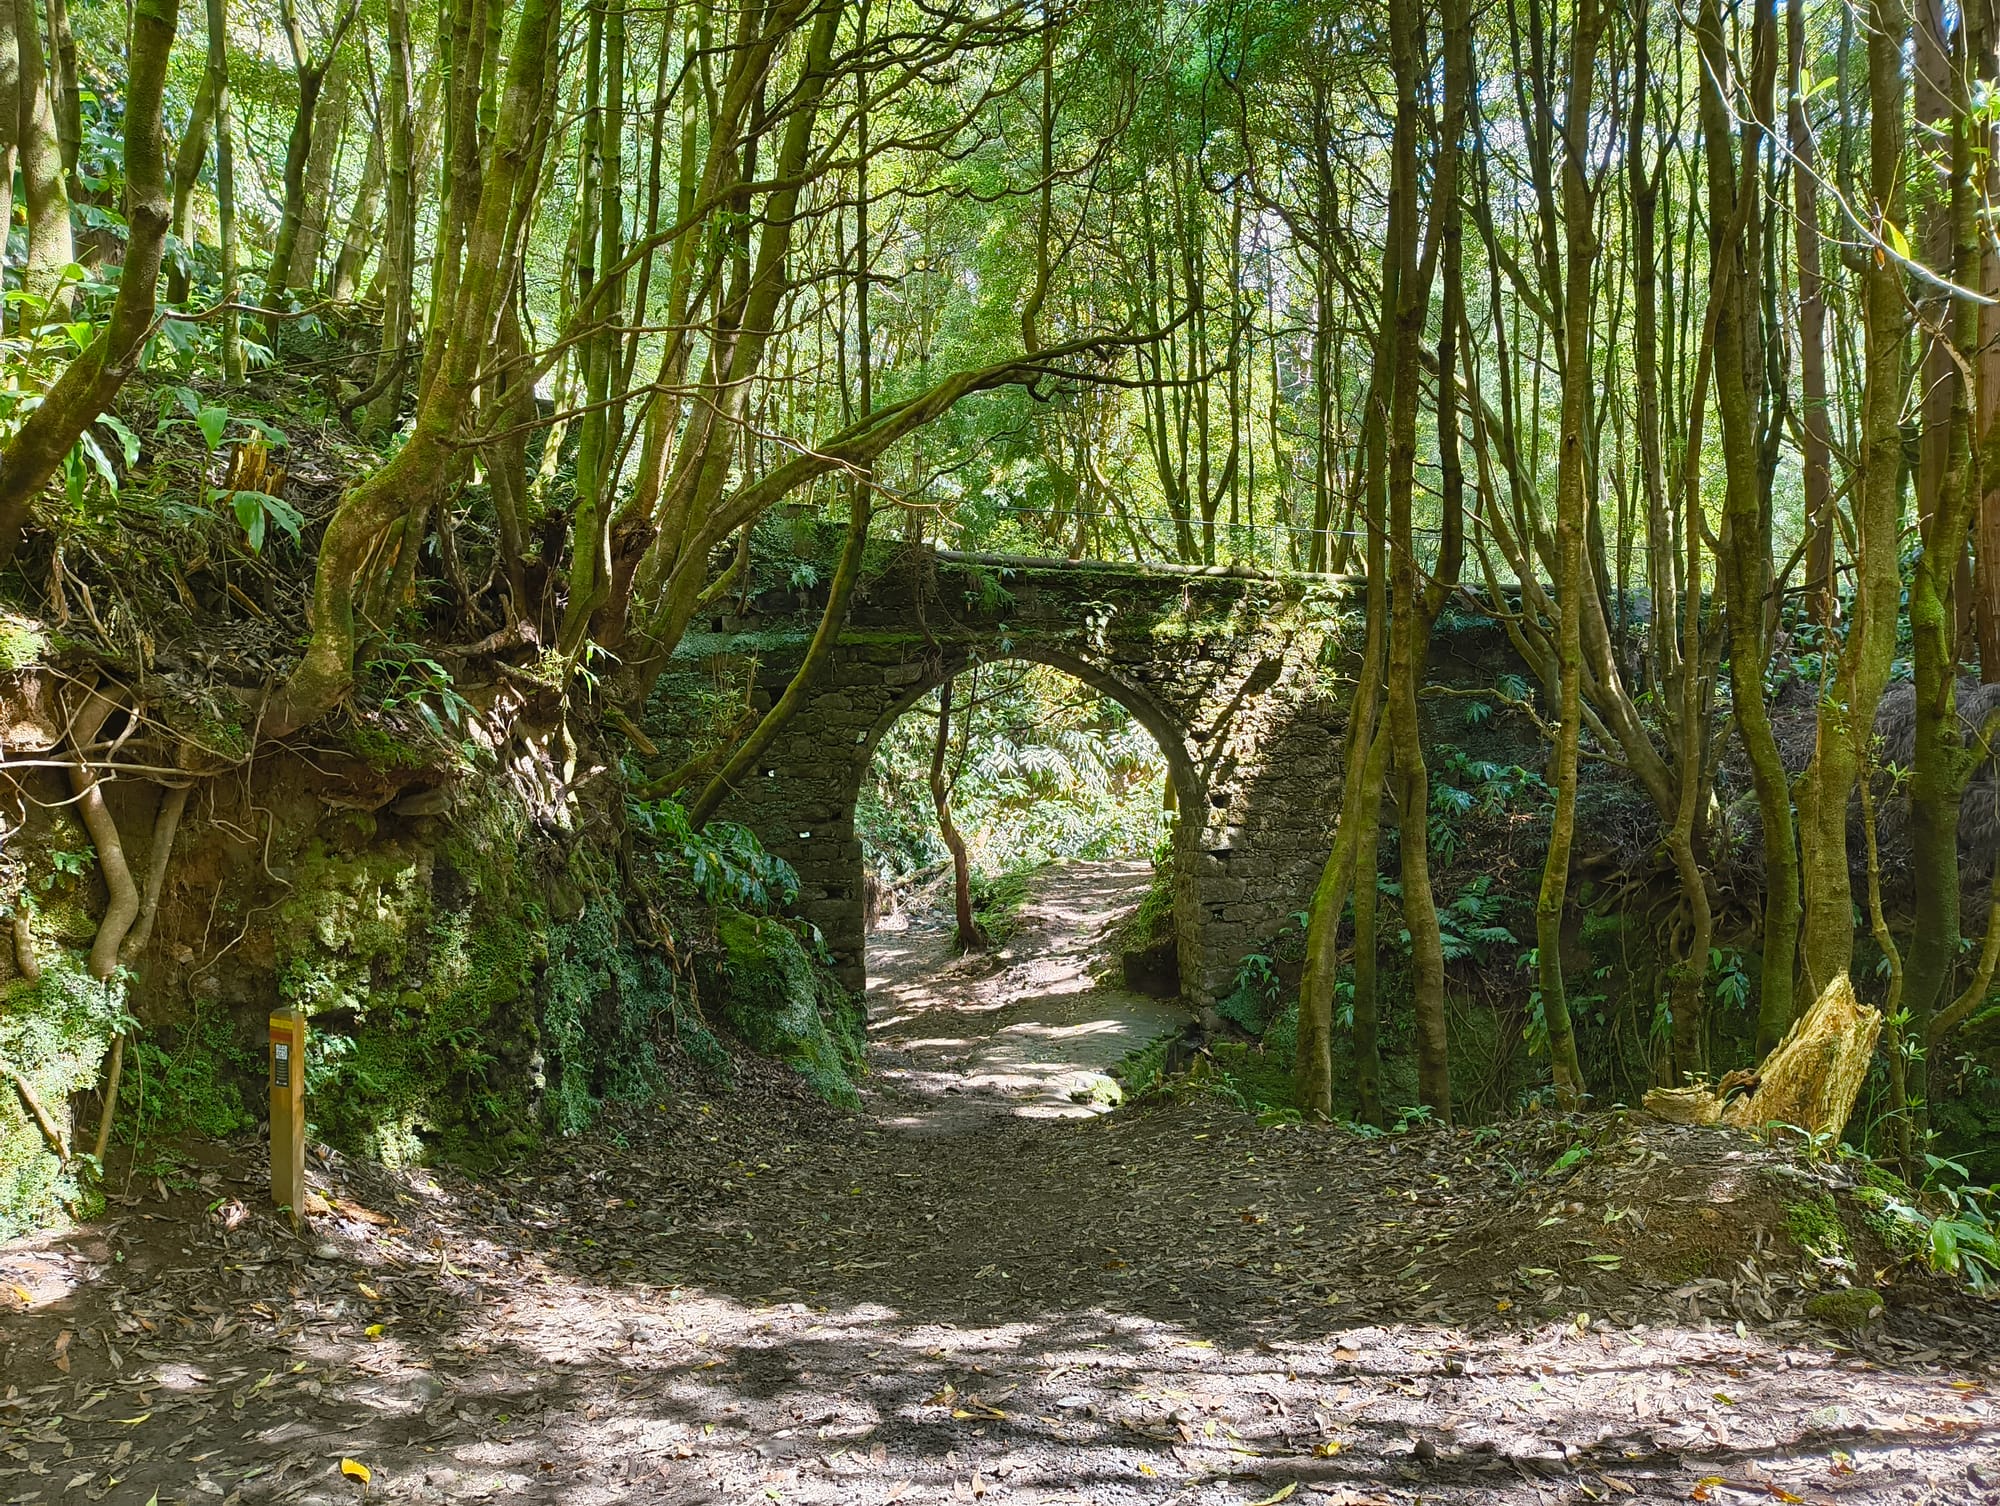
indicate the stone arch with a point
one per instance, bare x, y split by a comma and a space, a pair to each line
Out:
1233, 675
1190, 788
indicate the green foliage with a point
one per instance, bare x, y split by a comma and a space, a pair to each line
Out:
1469, 924
1955, 1236
1040, 770
23, 641
1253, 994
193, 1089
607, 1011
406, 683
724, 861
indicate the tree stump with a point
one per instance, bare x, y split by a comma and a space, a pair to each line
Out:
1808, 1082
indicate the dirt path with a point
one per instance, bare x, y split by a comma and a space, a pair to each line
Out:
1025, 1029
748, 1298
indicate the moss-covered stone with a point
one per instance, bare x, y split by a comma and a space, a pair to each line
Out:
778, 1002
1850, 1307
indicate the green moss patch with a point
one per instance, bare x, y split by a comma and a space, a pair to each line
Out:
416, 965
55, 1033
779, 1002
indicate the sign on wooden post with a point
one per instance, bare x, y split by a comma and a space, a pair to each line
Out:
288, 1109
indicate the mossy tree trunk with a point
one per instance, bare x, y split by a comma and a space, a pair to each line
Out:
1943, 763
1849, 702
89, 382
1736, 269
1572, 525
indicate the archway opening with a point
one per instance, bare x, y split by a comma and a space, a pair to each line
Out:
1019, 832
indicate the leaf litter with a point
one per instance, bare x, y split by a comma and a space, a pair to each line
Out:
757, 1298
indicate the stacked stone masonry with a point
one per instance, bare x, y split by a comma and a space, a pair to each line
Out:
1238, 677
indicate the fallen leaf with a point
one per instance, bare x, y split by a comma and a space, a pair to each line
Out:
1328, 1448
356, 1470
373, 1330
1281, 1495
368, 1291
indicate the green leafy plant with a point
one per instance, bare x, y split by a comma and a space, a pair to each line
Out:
724, 861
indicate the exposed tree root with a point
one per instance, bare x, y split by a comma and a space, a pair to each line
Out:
51, 1131
165, 826
25, 961
123, 909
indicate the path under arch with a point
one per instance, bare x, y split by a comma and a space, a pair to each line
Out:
1032, 1028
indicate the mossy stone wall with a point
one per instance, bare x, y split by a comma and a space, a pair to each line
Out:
1235, 675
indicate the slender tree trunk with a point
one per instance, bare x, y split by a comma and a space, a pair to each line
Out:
188, 157
1351, 866
1943, 764
225, 184
10, 130
969, 937
1572, 524
92, 378
1815, 433
50, 247
316, 206
63, 93
311, 77
839, 593
1849, 702
399, 243
364, 227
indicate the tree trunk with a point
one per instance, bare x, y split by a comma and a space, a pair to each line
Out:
1947, 501
225, 185
970, 938
364, 227
10, 130
89, 382
188, 157
399, 241
50, 248
1572, 525
316, 211
63, 94
1849, 703
1814, 430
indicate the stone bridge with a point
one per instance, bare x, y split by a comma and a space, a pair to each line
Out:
1234, 675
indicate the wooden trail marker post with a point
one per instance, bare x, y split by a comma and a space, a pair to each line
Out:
288, 1110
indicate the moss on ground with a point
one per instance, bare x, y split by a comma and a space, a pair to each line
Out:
1815, 1227
1850, 1307
778, 1002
